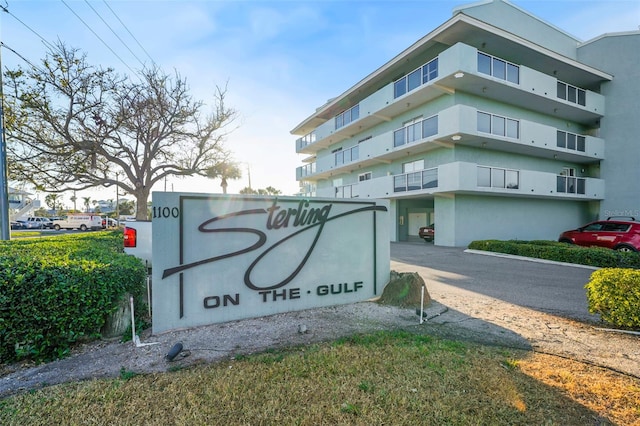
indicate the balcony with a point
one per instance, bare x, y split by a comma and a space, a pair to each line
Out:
462, 177
457, 70
472, 178
458, 125
307, 170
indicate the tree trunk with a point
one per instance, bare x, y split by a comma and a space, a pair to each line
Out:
141, 205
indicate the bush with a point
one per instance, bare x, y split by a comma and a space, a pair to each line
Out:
615, 295
54, 291
561, 252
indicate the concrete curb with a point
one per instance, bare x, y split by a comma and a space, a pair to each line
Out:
529, 259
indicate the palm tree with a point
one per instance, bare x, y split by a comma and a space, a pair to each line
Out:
87, 201
224, 171
73, 200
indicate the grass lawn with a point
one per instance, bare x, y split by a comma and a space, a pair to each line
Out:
391, 378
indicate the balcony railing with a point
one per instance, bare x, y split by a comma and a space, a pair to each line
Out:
307, 139
571, 185
345, 191
348, 116
346, 155
416, 181
526, 87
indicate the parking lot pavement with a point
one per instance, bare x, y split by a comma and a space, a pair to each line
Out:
493, 299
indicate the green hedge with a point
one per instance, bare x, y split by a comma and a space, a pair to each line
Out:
615, 295
56, 290
561, 252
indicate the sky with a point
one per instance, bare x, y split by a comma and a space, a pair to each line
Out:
279, 60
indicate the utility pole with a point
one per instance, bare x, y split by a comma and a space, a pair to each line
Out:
4, 187
118, 198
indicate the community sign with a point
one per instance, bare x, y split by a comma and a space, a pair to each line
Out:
218, 258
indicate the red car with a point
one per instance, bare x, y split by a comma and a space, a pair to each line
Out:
427, 233
621, 235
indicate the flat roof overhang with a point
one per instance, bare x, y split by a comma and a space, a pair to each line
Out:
460, 28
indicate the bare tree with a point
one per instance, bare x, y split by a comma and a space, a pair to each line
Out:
73, 126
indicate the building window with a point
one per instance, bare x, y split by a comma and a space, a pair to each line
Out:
498, 68
571, 141
416, 78
430, 126
512, 179
347, 117
415, 130
572, 94
494, 177
355, 153
430, 71
484, 122
498, 125
413, 166
568, 183
344, 191
364, 176
347, 155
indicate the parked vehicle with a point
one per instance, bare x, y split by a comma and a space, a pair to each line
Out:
17, 225
621, 235
36, 222
79, 221
137, 240
427, 233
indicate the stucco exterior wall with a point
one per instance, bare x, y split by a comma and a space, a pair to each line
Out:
465, 218
506, 15
620, 128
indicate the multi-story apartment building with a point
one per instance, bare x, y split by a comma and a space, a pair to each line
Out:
495, 124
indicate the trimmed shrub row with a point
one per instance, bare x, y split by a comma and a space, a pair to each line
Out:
561, 252
57, 290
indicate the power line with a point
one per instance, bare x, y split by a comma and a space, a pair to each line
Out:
98, 37
3, 44
52, 47
49, 45
114, 33
130, 33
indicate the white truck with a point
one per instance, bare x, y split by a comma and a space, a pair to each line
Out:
80, 221
137, 240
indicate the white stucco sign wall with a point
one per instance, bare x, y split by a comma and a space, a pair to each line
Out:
220, 258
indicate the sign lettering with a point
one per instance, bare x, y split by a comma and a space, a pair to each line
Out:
221, 258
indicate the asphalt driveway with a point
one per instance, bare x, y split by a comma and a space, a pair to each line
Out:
545, 287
